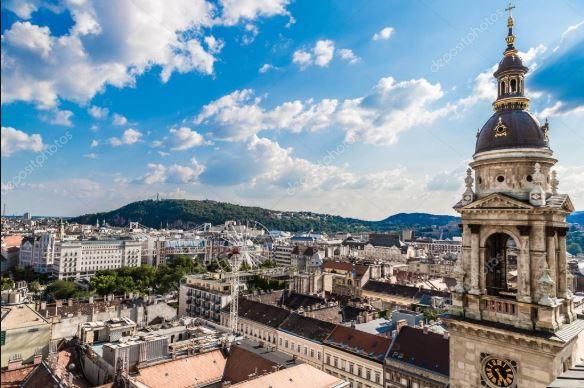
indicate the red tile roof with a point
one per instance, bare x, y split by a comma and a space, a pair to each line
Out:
359, 342
359, 269
241, 363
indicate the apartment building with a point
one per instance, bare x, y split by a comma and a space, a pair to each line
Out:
356, 356
83, 258
203, 297
38, 252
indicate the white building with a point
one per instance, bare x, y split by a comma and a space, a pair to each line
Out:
38, 252
82, 259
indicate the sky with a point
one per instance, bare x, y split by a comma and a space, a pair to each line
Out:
356, 108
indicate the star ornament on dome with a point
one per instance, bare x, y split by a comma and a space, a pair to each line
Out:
500, 129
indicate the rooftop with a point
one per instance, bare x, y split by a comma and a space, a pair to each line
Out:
296, 376
426, 350
21, 316
360, 343
262, 313
306, 327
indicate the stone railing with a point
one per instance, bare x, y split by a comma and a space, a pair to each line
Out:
501, 306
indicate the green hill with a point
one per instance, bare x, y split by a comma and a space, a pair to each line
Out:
188, 213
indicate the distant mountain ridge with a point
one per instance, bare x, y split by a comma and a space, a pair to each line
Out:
187, 213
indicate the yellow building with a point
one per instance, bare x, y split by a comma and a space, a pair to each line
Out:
25, 334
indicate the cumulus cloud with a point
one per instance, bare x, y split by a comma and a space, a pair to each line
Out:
320, 55
384, 34
267, 67
235, 11
58, 117
349, 56
184, 138
90, 155
119, 120
94, 143
174, 173
378, 118
112, 46
130, 136
98, 112
14, 141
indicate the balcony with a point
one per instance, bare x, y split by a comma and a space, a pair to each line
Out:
501, 306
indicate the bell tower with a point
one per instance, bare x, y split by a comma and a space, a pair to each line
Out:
512, 322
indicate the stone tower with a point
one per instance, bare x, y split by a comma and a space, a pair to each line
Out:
512, 322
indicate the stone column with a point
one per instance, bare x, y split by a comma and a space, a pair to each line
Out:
562, 264
474, 259
482, 272
550, 234
537, 254
524, 266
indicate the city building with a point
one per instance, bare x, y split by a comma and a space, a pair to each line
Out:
24, 336
418, 358
38, 252
201, 296
82, 259
513, 322
356, 356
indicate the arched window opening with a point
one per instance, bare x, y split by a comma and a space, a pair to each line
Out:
503, 87
501, 265
513, 86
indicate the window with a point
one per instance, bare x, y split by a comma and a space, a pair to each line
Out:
336, 362
286, 344
377, 377
318, 355
359, 370
280, 341
351, 368
305, 351
328, 359
368, 374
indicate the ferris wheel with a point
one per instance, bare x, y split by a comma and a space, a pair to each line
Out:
250, 244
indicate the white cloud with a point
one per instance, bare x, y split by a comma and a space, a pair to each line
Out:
214, 45
59, 117
29, 37
112, 46
320, 55
119, 120
267, 67
98, 112
174, 173
184, 138
14, 141
349, 56
235, 11
377, 118
384, 34
94, 143
90, 155
571, 180
130, 136
22, 8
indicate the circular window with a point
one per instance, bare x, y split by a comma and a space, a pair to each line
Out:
529, 178
500, 178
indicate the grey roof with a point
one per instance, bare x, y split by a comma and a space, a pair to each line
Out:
572, 378
523, 131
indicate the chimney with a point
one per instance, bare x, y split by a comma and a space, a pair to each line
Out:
90, 301
69, 302
446, 335
401, 323
15, 363
58, 303
43, 305
37, 359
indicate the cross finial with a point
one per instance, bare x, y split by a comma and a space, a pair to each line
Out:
510, 8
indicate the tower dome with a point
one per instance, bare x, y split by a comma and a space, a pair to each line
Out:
511, 126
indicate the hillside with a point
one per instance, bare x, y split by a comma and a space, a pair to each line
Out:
186, 213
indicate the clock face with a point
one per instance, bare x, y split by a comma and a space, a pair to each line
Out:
499, 373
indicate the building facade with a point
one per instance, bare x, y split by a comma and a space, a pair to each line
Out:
202, 297
82, 259
513, 322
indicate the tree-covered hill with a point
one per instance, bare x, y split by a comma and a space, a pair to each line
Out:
187, 213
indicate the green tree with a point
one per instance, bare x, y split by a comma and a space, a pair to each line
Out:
62, 289
6, 283
34, 286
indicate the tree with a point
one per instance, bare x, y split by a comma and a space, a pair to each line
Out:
62, 289
34, 286
574, 248
6, 283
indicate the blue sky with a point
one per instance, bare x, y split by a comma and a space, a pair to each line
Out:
358, 108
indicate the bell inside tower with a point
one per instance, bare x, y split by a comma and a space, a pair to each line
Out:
501, 266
